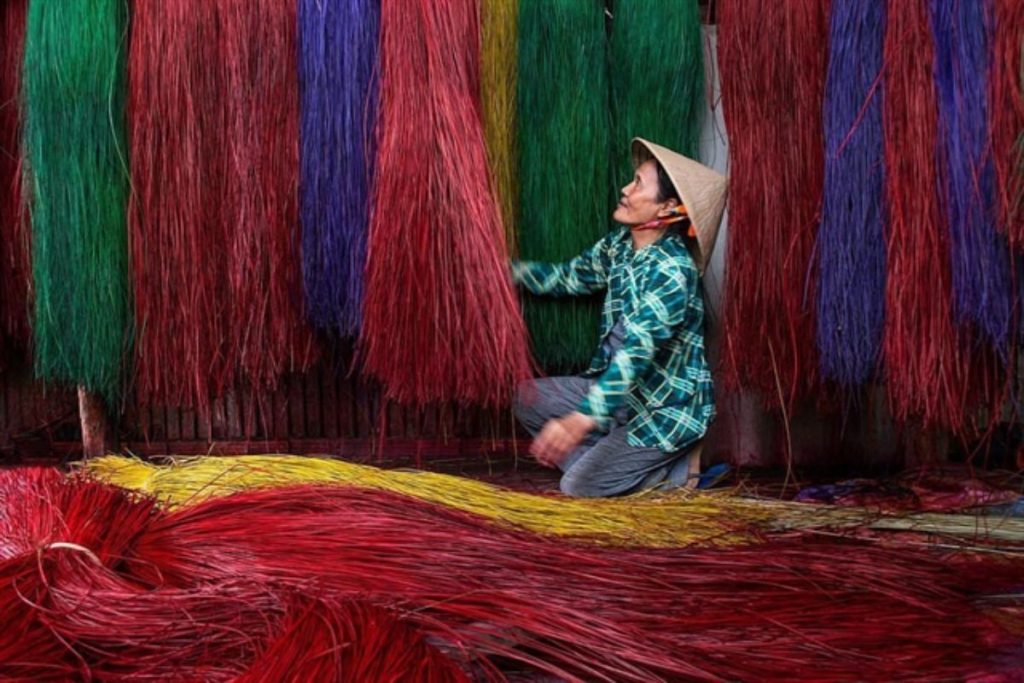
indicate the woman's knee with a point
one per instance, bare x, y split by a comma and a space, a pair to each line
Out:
579, 481
524, 400
577, 487
537, 398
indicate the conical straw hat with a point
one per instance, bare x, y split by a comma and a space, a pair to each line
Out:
701, 190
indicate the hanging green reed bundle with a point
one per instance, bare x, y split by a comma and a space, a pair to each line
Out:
657, 77
562, 111
498, 97
78, 178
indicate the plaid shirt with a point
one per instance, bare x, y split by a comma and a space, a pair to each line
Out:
661, 373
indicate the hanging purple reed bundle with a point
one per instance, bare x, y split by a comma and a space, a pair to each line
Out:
851, 246
337, 79
982, 277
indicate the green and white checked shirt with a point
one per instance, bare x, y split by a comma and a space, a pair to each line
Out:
661, 372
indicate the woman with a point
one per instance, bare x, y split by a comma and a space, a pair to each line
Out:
636, 418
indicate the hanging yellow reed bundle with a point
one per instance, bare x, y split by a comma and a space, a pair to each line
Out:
498, 95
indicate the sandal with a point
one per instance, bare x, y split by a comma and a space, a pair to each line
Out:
710, 477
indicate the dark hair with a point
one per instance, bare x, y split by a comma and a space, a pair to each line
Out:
666, 190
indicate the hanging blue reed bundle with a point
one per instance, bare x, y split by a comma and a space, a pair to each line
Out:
851, 246
74, 136
982, 277
337, 64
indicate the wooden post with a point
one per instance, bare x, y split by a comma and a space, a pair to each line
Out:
93, 419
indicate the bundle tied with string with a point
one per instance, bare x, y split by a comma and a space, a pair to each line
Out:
337, 63
657, 98
564, 149
441, 319
925, 356
851, 246
772, 57
14, 253
77, 181
983, 295
215, 249
1007, 107
76, 608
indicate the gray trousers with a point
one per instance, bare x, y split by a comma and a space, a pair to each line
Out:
605, 464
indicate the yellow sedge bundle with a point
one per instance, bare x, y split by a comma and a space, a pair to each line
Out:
672, 520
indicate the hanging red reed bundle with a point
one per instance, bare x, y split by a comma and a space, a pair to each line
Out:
926, 362
441, 320
1007, 107
14, 234
177, 228
267, 330
213, 117
772, 57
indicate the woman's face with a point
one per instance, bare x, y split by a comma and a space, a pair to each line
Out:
639, 203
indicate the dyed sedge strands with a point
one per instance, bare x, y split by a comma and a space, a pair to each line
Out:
564, 180
627, 521
773, 59
1007, 113
15, 269
74, 610
110, 579
215, 202
925, 359
176, 225
498, 55
77, 176
934, 373
337, 77
851, 242
441, 319
983, 291
656, 99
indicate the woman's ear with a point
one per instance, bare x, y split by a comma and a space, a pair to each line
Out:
667, 206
